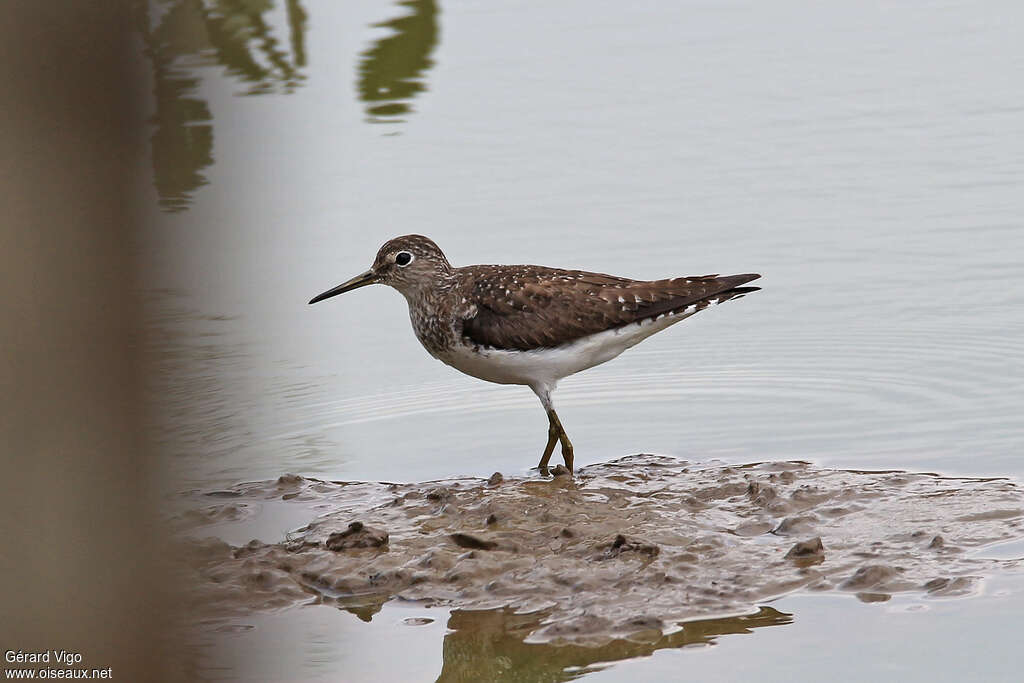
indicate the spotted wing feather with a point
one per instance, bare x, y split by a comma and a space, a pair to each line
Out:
529, 307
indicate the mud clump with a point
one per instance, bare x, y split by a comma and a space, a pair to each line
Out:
472, 542
870, 576
807, 551
620, 545
796, 525
441, 493
356, 535
624, 548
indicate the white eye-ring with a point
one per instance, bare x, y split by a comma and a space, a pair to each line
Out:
403, 258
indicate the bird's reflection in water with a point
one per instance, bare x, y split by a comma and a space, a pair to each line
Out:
181, 35
488, 645
391, 72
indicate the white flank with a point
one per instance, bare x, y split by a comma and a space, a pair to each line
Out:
542, 368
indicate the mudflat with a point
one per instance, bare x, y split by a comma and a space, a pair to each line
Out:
627, 548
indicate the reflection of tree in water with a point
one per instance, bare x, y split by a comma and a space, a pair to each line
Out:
487, 645
180, 35
390, 73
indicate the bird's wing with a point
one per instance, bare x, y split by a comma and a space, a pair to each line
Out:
528, 307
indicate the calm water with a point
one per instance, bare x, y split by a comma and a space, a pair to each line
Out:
867, 160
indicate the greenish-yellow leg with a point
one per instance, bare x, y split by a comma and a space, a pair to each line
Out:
566, 444
550, 448
556, 433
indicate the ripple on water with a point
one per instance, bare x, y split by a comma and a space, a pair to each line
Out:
842, 385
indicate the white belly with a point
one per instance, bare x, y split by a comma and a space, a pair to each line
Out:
547, 366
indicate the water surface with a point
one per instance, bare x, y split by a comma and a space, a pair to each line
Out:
867, 160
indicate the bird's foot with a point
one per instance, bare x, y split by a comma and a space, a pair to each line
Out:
561, 471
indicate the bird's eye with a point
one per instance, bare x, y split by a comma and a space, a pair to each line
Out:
403, 258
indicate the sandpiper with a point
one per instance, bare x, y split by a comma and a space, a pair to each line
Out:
532, 325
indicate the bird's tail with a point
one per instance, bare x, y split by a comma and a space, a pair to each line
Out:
734, 293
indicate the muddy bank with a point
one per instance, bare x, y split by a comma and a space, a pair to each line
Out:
627, 548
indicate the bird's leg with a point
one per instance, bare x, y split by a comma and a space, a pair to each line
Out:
562, 436
550, 448
555, 430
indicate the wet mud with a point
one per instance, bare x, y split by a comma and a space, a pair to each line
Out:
625, 550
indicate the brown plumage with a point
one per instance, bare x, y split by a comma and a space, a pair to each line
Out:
528, 307
532, 325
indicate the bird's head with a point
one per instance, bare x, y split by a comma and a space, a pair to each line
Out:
407, 263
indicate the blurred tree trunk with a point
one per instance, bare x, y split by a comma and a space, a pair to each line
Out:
79, 568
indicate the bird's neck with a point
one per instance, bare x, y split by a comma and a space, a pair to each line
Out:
429, 296
430, 311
